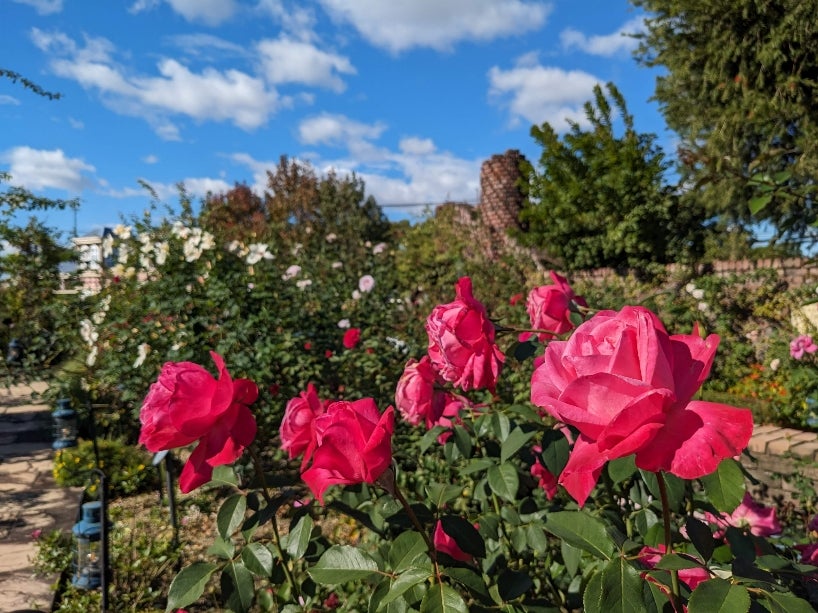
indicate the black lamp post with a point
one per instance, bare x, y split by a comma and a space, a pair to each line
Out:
64, 420
91, 548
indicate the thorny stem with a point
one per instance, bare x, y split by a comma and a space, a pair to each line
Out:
675, 594
276, 537
388, 483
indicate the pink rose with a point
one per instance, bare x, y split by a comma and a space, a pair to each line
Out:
354, 445
461, 341
187, 404
759, 519
626, 386
419, 400
352, 337
549, 307
651, 556
801, 345
446, 544
297, 432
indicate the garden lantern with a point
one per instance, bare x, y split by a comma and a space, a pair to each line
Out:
14, 357
65, 425
88, 547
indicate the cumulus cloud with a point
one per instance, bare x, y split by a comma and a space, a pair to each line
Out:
398, 26
416, 146
604, 45
37, 169
43, 7
537, 93
208, 12
406, 180
214, 95
291, 61
299, 21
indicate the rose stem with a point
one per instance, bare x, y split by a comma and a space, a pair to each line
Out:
675, 593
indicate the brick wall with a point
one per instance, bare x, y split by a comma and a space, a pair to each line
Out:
780, 454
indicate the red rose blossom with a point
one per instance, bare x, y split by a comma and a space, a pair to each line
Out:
352, 337
446, 544
187, 404
297, 427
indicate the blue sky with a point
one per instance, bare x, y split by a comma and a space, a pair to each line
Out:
412, 95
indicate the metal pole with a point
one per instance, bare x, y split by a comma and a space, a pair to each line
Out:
103, 558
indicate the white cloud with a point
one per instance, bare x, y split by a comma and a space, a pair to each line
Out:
9, 100
397, 26
298, 21
537, 93
208, 12
340, 131
291, 61
43, 7
607, 45
150, 159
209, 95
417, 175
207, 46
37, 169
416, 146
76, 123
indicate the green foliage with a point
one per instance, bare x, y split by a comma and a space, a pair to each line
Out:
737, 85
600, 200
127, 468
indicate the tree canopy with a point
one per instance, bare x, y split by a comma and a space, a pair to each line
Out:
738, 86
600, 199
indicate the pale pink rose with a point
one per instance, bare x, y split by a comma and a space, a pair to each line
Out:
549, 307
627, 387
759, 519
366, 283
461, 341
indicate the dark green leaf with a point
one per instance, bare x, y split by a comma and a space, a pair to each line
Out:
725, 486
405, 581
442, 599
523, 350
581, 530
441, 493
675, 561
514, 442
468, 578
592, 597
675, 487
238, 589
555, 450
621, 588
504, 481
189, 585
299, 537
501, 426
477, 465
701, 536
719, 596
621, 468
513, 584
571, 556
231, 515
222, 548
430, 438
758, 203
223, 475
343, 563
787, 603
462, 440
258, 559
406, 550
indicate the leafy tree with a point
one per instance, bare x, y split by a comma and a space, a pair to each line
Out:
738, 86
235, 215
16, 77
599, 199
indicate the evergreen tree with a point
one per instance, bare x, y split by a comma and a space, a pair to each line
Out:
738, 87
599, 199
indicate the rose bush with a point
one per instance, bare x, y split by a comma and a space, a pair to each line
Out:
476, 519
